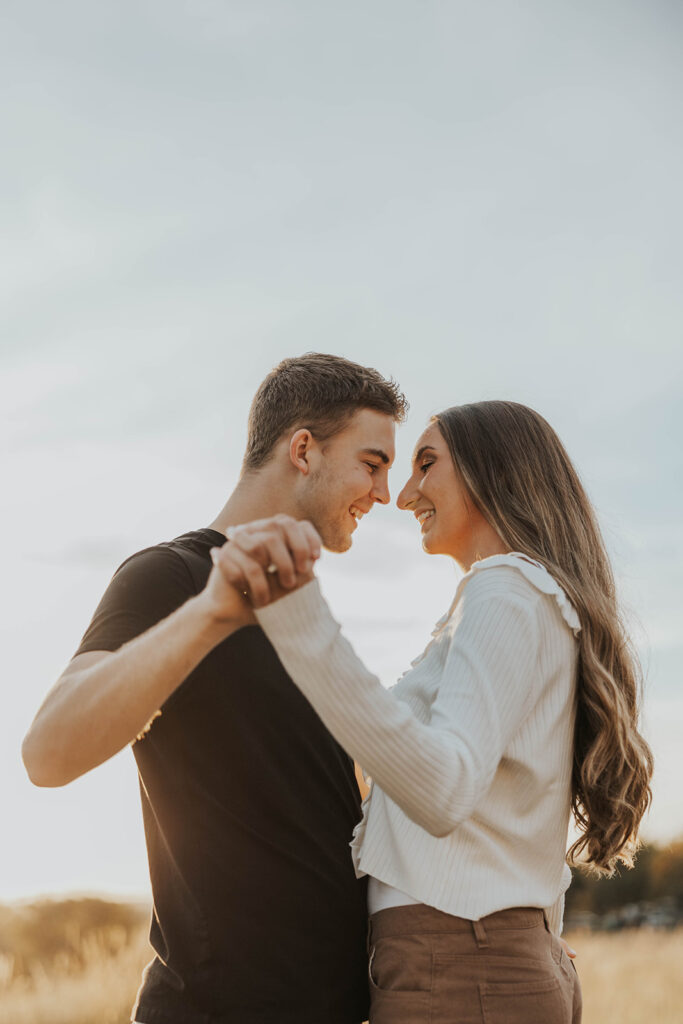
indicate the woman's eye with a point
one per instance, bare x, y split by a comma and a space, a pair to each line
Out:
425, 466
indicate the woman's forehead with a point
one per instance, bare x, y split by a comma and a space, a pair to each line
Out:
430, 437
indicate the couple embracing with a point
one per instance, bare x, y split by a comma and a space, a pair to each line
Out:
278, 897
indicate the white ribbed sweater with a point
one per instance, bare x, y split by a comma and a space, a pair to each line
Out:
470, 753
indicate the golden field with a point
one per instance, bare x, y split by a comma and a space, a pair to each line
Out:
632, 977
100, 989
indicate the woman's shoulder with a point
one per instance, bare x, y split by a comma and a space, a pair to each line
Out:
515, 577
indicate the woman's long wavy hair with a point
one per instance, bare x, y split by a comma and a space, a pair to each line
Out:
521, 479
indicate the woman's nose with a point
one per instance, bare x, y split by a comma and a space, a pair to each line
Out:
406, 497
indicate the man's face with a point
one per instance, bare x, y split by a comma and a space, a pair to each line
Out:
349, 474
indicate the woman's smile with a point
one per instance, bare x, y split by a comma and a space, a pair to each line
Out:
425, 516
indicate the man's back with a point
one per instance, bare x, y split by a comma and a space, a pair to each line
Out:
249, 805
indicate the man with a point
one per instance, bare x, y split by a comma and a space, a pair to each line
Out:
248, 802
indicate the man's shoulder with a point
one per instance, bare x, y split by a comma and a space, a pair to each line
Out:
157, 565
147, 587
183, 560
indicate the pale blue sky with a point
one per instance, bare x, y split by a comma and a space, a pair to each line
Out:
482, 200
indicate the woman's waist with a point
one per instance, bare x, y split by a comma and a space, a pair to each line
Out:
484, 842
472, 872
419, 918
382, 896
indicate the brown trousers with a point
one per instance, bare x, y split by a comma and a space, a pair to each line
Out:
427, 967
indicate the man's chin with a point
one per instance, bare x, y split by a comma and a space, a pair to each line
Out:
338, 544
335, 541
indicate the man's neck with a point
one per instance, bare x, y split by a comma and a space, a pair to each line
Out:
257, 496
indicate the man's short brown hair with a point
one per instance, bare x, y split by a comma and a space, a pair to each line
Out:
317, 391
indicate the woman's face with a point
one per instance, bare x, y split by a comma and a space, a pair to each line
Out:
449, 521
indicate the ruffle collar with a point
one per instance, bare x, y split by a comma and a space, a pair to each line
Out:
534, 572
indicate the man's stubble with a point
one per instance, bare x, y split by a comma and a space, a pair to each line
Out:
324, 507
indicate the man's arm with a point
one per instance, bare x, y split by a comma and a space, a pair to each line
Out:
103, 699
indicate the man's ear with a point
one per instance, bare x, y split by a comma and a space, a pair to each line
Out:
300, 446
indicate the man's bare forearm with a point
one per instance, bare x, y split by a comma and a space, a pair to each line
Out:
93, 712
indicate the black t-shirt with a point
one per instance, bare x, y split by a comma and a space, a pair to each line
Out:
248, 805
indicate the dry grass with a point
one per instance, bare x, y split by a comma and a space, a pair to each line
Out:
627, 978
630, 977
100, 989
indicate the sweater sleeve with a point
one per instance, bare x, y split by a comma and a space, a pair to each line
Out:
555, 915
435, 772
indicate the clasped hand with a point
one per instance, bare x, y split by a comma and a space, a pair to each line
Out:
268, 558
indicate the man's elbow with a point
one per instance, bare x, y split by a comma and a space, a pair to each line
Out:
42, 767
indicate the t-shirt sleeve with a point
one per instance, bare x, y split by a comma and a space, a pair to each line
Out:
145, 589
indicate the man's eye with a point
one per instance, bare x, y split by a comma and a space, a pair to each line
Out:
372, 466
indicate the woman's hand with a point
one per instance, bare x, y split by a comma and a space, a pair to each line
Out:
268, 558
571, 953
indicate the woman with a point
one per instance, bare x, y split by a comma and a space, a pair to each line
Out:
522, 708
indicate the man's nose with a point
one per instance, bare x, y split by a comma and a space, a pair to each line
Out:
380, 492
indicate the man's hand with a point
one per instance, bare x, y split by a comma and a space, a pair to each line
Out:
224, 601
267, 558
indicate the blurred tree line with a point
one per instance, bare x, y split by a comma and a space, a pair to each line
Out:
48, 931
51, 930
657, 875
